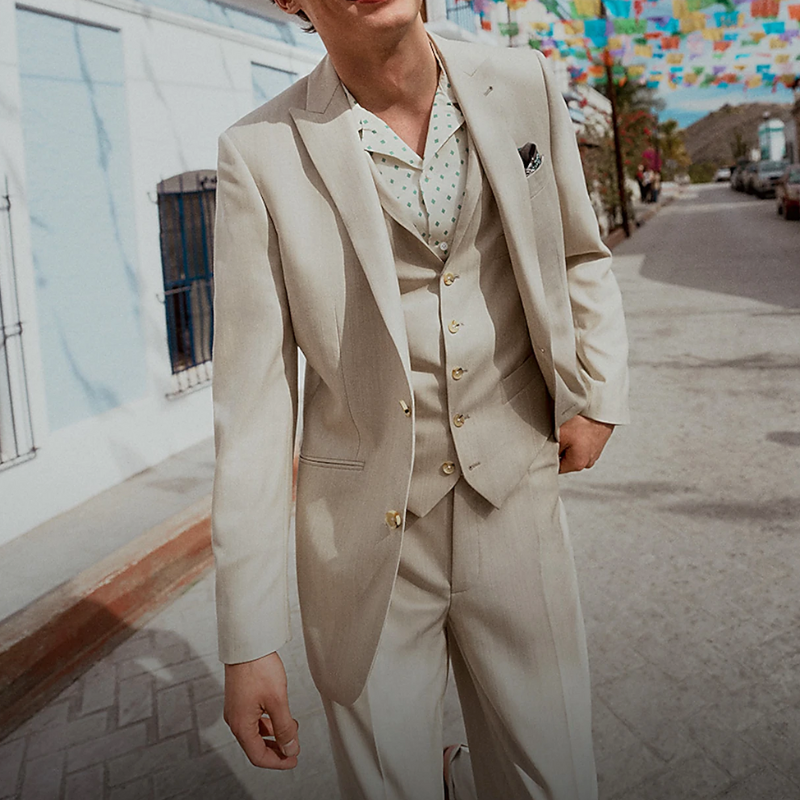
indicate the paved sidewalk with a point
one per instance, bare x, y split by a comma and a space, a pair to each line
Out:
146, 723
686, 541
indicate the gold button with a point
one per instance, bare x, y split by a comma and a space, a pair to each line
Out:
449, 279
453, 326
448, 467
457, 374
459, 420
393, 519
406, 409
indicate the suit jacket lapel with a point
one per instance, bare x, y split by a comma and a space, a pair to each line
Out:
329, 134
503, 168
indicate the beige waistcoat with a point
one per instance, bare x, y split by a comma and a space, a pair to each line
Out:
481, 404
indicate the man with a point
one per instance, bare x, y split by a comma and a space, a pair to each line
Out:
413, 216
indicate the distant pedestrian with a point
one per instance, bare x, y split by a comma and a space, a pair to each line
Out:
655, 187
640, 182
647, 183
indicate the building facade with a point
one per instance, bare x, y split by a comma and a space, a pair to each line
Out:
112, 110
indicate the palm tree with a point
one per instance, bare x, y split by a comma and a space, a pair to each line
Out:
672, 147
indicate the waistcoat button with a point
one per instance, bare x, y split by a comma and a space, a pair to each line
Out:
443, 246
393, 519
453, 326
448, 467
459, 420
457, 374
448, 278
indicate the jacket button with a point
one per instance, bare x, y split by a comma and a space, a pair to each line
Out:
454, 326
406, 409
448, 467
459, 420
457, 374
393, 519
449, 279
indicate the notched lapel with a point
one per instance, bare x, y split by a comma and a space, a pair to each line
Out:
500, 157
328, 133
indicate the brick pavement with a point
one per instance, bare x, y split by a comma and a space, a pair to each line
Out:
687, 550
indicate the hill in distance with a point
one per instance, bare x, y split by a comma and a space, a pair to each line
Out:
710, 139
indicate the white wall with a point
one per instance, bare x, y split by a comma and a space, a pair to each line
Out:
186, 81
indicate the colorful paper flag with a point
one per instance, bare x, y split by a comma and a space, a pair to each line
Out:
695, 21
630, 27
591, 8
765, 8
619, 8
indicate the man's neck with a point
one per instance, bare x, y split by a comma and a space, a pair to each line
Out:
397, 73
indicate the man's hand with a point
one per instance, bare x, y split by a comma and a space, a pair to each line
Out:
252, 689
581, 440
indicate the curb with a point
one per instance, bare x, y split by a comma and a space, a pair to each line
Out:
46, 645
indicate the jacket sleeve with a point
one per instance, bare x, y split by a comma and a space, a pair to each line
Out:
255, 407
600, 337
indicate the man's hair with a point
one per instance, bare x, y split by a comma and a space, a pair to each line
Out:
308, 27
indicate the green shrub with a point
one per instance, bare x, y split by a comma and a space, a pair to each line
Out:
703, 172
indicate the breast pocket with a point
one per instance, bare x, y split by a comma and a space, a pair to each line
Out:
537, 179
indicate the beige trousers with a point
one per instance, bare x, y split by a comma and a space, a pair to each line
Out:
494, 592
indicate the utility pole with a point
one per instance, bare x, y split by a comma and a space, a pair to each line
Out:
612, 96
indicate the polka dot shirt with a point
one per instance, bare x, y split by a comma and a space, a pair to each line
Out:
431, 188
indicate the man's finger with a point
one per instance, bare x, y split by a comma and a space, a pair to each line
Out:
258, 751
571, 460
284, 727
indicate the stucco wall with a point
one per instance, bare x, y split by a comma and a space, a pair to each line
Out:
161, 86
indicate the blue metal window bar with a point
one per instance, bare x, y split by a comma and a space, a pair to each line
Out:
186, 206
16, 425
462, 13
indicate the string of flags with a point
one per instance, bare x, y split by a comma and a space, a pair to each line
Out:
670, 43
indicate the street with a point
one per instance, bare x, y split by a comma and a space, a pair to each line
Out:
687, 544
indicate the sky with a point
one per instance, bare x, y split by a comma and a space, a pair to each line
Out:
688, 104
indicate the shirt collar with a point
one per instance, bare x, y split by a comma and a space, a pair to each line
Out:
377, 137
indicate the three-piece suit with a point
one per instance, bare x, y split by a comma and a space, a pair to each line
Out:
428, 525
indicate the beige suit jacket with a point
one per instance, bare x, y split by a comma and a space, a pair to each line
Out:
302, 258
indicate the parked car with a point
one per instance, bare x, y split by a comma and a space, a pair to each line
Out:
787, 192
722, 174
766, 176
738, 173
747, 177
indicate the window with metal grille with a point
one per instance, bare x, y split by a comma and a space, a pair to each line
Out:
462, 13
186, 205
16, 426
